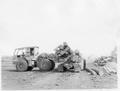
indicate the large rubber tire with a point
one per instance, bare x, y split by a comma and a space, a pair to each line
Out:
45, 65
21, 65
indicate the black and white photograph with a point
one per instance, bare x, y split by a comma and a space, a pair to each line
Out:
59, 44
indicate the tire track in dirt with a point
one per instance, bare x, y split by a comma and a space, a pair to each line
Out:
75, 80
66, 80
46, 82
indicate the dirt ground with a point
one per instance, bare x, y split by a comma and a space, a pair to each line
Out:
34, 80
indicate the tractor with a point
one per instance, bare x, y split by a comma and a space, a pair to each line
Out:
26, 58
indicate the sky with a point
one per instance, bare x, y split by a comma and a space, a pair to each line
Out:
91, 26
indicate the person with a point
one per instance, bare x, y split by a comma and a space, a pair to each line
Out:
76, 56
66, 48
77, 52
63, 51
28, 56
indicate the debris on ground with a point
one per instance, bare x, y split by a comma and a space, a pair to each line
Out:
110, 67
90, 71
106, 65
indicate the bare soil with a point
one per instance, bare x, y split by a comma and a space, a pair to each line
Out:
34, 80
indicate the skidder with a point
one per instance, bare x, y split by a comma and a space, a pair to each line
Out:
26, 58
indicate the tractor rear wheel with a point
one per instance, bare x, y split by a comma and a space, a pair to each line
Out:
45, 65
21, 65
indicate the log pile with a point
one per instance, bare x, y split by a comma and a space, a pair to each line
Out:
107, 64
102, 61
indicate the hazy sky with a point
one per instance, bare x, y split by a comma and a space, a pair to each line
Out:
88, 25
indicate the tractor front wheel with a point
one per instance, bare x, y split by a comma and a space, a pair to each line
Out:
21, 65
